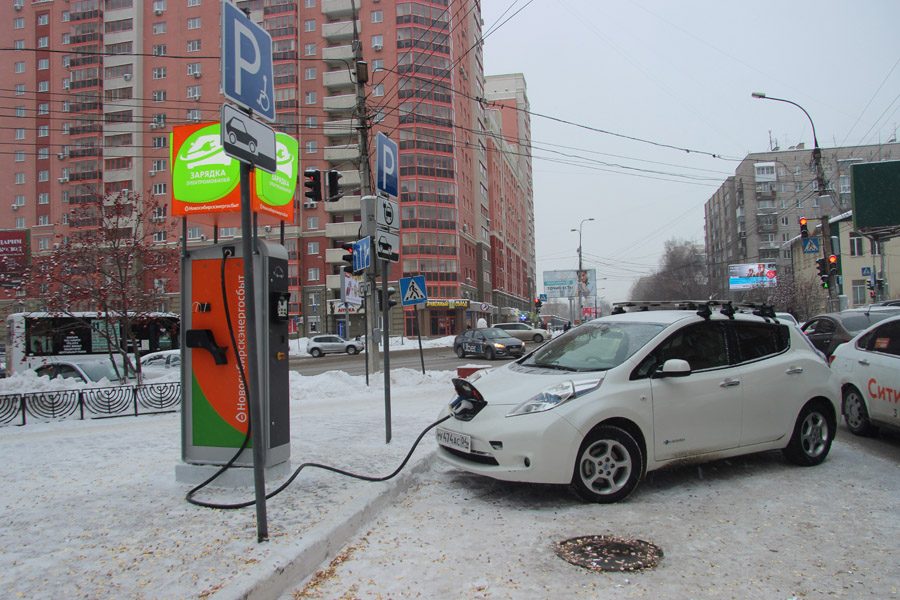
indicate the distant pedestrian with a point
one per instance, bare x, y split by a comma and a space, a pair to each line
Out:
482, 323
567, 326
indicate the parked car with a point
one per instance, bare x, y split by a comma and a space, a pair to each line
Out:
524, 332
895, 302
332, 344
827, 330
158, 364
787, 318
489, 343
88, 370
868, 370
604, 403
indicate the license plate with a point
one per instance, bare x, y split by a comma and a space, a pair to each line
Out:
452, 439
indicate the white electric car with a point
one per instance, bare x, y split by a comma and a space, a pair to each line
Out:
602, 404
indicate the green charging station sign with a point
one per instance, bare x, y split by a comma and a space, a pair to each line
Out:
205, 180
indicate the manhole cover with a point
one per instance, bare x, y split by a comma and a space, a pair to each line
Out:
609, 553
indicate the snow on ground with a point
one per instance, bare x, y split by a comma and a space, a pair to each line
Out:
92, 508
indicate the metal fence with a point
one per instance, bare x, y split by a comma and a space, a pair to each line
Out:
90, 403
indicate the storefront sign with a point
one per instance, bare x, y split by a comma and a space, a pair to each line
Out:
447, 303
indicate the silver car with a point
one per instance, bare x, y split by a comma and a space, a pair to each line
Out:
334, 344
524, 332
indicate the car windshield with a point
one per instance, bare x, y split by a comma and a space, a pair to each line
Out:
594, 346
492, 333
97, 371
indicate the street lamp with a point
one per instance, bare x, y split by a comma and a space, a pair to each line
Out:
820, 182
578, 274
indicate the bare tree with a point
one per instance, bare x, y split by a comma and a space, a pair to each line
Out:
109, 261
681, 275
800, 295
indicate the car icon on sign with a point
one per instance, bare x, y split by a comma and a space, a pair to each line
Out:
384, 246
237, 134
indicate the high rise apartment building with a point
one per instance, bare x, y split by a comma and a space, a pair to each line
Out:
94, 88
755, 213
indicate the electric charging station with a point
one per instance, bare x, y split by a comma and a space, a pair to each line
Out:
216, 412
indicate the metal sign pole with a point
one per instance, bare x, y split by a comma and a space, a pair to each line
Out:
256, 424
386, 332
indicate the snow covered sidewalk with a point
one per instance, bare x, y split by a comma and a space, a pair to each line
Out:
92, 508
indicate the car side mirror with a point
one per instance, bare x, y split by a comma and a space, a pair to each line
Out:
674, 367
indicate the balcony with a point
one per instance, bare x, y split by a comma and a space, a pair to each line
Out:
341, 128
338, 55
333, 282
340, 31
338, 79
343, 153
347, 230
337, 8
345, 204
342, 103
333, 255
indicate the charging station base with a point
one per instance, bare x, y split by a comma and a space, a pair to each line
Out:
232, 478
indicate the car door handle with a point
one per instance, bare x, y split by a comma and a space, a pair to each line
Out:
863, 362
730, 383
794, 371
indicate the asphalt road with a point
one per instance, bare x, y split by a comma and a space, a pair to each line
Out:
406, 357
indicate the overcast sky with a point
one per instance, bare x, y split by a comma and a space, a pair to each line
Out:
679, 74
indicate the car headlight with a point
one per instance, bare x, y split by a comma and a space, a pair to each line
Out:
499, 346
555, 395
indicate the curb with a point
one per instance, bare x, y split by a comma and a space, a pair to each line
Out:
287, 566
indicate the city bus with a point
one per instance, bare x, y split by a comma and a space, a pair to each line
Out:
35, 338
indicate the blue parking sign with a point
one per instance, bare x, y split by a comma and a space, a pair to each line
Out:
387, 165
247, 62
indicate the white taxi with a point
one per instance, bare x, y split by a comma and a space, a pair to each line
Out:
610, 400
868, 369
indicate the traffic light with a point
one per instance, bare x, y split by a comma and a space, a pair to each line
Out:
822, 267
804, 232
313, 185
391, 303
334, 186
832, 264
537, 305
348, 248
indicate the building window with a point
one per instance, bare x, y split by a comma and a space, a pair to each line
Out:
20, 200
193, 3
19, 44
309, 49
378, 90
159, 28
20, 134
378, 64
309, 74
20, 67
159, 236
43, 86
309, 3
43, 19
312, 223
159, 189
377, 42
194, 69
44, 108
43, 220
193, 233
159, 73
312, 248
20, 156
309, 98
20, 222
311, 122
845, 184
193, 114
309, 25
20, 89
44, 243
43, 130
377, 16
311, 147
874, 248
160, 142
20, 178
856, 244
193, 46
193, 92
859, 291
312, 274
193, 23
43, 175
227, 232
159, 50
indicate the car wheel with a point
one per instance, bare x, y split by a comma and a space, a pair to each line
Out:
253, 147
460, 352
232, 138
352, 350
489, 353
608, 466
316, 353
812, 436
538, 338
856, 416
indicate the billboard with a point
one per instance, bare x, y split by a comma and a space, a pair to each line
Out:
14, 254
874, 194
752, 275
206, 181
570, 283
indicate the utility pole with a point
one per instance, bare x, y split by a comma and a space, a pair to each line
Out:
365, 186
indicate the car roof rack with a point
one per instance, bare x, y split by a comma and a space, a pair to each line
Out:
703, 308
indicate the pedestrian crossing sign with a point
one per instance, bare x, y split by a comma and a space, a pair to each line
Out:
811, 245
413, 291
